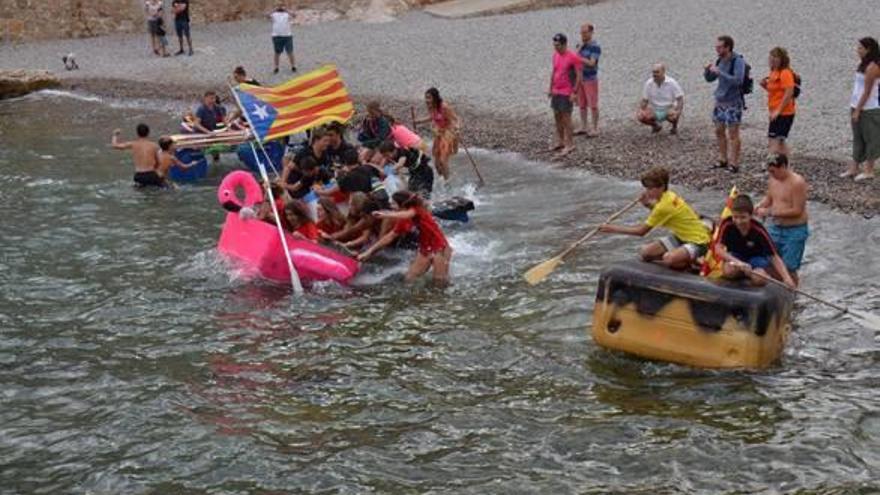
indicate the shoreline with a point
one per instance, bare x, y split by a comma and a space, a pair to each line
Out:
622, 150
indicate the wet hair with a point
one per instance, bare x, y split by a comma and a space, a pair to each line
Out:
434, 93
386, 146
407, 199
333, 214
307, 164
778, 160
359, 205
873, 54
299, 210
727, 41
143, 130
742, 204
656, 177
240, 71
781, 54
165, 143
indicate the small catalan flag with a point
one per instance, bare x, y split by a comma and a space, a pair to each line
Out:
302, 103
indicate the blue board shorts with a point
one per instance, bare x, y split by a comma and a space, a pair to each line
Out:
282, 44
660, 114
755, 262
728, 115
790, 242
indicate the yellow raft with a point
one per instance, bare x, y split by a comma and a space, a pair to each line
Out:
656, 313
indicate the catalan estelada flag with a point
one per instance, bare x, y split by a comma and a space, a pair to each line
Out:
302, 103
711, 266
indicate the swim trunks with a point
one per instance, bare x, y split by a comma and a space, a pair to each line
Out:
790, 242
151, 178
728, 115
694, 250
561, 104
780, 127
660, 114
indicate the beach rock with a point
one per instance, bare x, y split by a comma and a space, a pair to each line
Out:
20, 82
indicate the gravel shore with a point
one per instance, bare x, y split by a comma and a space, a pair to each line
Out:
495, 71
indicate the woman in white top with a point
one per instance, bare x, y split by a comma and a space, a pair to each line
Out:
282, 37
865, 108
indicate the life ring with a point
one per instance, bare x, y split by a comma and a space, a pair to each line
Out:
227, 193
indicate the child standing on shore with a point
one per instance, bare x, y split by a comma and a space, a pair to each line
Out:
689, 238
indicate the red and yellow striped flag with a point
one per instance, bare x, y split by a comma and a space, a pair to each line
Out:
302, 103
712, 265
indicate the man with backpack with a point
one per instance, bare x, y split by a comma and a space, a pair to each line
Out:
732, 74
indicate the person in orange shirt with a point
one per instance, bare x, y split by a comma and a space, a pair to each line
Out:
303, 227
780, 87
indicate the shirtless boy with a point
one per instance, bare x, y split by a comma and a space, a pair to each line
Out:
144, 154
167, 158
786, 205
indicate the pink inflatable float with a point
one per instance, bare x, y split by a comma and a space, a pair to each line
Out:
256, 246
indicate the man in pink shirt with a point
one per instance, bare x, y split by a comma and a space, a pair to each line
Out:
565, 81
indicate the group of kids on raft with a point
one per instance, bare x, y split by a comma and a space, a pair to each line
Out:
740, 242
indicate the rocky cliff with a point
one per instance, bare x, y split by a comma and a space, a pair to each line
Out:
48, 19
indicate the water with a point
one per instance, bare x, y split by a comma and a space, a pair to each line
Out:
133, 360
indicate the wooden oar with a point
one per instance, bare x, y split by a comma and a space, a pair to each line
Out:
867, 320
476, 170
539, 272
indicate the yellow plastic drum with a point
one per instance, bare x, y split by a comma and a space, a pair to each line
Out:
660, 314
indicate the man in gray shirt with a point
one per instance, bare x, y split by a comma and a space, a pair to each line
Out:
729, 70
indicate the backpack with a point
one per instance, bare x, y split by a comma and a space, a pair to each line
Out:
797, 84
748, 84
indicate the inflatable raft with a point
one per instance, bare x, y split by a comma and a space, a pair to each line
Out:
656, 313
256, 246
198, 171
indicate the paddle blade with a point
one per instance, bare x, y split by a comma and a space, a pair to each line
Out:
539, 272
867, 320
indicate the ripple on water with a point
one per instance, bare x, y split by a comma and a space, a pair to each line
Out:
134, 359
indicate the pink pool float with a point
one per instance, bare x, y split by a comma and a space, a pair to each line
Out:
256, 246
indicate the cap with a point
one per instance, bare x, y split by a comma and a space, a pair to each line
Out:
560, 38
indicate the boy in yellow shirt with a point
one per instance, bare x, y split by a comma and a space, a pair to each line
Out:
689, 238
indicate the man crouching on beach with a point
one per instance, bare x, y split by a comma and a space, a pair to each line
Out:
689, 239
144, 154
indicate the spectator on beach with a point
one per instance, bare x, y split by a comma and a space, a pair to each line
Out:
562, 93
181, 24
153, 9
729, 70
282, 36
780, 86
865, 111
588, 95
786, 205
662, 101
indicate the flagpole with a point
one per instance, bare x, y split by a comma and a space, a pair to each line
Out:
294, 276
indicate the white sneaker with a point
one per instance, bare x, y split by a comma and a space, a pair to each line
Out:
863, 176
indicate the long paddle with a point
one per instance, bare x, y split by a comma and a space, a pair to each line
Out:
539, 272
867, 320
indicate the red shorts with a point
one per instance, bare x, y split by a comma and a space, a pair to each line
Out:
588, 95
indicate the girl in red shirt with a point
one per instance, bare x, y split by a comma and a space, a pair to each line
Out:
302, 226
434, 250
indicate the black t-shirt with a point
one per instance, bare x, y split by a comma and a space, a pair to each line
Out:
184, 14
323, 161
359, 180
334, 155
756, 243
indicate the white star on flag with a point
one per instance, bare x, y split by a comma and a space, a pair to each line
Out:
260, 111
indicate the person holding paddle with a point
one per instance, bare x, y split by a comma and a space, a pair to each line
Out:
446, 125
689, 239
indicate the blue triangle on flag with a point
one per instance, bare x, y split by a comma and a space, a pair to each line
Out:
261, 114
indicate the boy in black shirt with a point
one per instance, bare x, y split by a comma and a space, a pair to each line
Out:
746, 247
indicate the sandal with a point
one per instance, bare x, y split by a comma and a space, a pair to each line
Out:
733, 169
720, 164
863, 176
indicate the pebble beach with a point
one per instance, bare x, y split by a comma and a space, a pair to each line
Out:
494, 70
